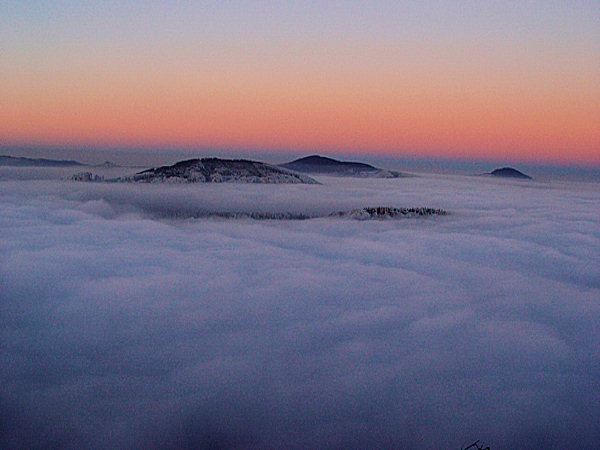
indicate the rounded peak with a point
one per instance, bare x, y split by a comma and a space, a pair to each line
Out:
508, 172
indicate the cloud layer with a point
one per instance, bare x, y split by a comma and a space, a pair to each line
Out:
126, 323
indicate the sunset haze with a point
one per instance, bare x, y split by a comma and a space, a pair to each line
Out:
482, 80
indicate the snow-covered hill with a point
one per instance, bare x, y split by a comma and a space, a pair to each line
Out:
211, 170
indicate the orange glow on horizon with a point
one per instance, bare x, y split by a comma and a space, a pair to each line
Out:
439, 112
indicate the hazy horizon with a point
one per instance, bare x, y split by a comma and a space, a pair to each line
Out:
147, 157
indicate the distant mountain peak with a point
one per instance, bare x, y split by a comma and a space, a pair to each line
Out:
509, 172
318, 159
325, 165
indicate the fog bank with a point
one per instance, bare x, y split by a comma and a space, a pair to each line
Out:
126, 323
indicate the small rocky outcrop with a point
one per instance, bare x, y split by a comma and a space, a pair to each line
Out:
87, 176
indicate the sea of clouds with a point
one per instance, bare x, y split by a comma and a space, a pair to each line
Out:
127, 321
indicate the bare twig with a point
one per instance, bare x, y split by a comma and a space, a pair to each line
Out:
476, 445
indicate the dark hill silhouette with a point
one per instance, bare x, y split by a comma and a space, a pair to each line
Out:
330, 166
509, 172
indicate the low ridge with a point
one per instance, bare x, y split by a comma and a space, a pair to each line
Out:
20, 161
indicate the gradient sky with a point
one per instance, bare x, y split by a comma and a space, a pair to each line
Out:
471, 79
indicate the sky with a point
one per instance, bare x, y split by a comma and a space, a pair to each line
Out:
126, 324
489, 79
